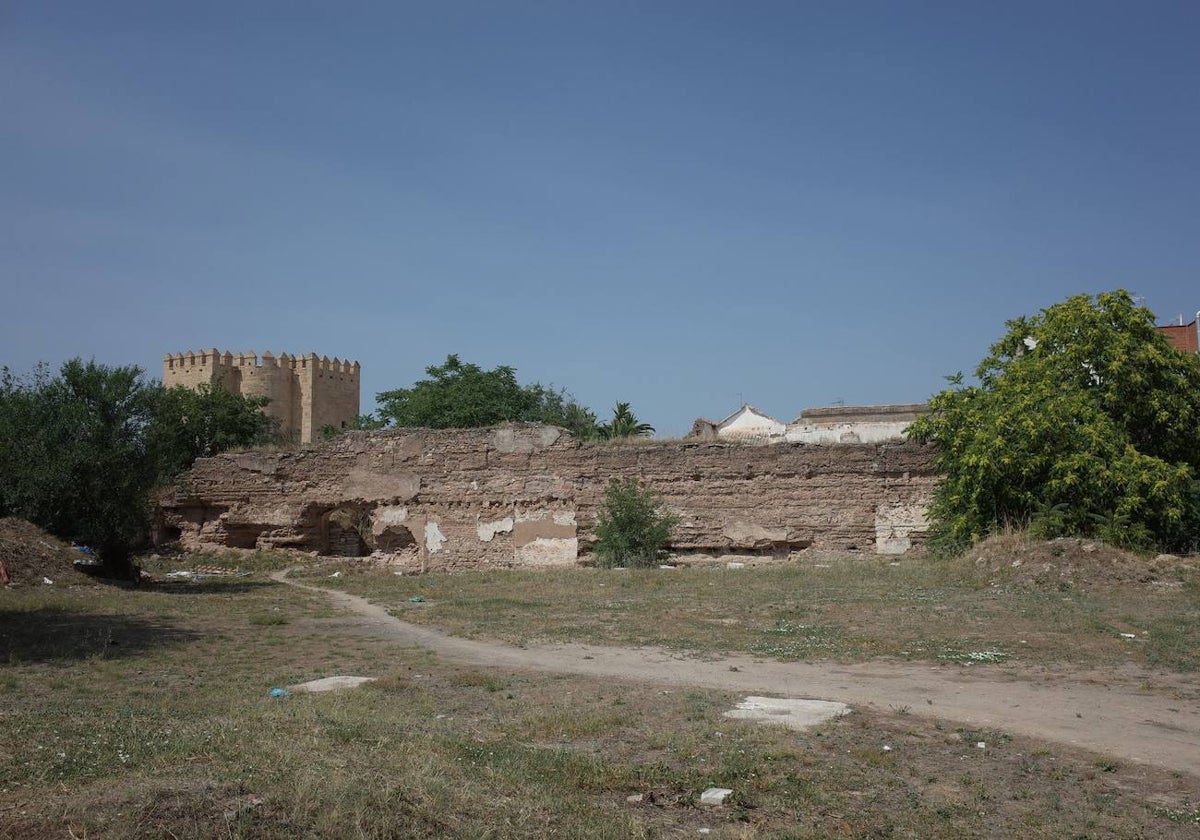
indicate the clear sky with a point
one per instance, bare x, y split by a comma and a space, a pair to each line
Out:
684, 205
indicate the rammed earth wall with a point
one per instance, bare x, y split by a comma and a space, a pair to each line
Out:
527, 495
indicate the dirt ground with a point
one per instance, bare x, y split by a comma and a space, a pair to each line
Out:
1015, 560
30, 555
1085, 709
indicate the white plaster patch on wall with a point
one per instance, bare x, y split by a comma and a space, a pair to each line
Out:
433, 537
390, 515
488, 530
564, 517
548, 551
386, 517
895, 524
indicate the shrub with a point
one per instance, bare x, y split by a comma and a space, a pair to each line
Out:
633, 527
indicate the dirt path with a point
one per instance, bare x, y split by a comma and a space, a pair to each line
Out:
1077, 709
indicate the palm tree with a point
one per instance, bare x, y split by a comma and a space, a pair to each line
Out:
624, 424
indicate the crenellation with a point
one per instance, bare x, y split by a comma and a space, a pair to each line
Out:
304, 393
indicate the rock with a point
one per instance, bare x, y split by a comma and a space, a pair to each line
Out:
635, 798
715, 796
332, 683
797, 714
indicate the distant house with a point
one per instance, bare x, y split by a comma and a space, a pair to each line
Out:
829, 424
704, 429
1182, 336
747, 423
854, 423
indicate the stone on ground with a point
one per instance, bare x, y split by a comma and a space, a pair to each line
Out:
714, 796
332, 683
797, 714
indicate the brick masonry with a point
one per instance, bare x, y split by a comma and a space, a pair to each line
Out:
527, 495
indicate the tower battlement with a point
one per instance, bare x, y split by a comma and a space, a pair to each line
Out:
305, 392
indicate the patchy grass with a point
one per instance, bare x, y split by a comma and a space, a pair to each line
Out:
841, 608
146, 713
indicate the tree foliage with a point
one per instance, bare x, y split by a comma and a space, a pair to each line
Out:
195, 423
624, 424
80, 451
1085, 421
361, 423
461, 395
633, 526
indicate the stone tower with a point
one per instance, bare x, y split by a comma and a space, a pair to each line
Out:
306, 393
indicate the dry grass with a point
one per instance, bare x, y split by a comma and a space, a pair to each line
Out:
979, 608
146, 714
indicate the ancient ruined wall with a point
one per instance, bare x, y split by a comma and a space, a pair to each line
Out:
526, 495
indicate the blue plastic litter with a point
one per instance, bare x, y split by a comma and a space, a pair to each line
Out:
83, 549
417, 599
280, 692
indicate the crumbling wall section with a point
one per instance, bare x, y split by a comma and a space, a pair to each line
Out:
527, 495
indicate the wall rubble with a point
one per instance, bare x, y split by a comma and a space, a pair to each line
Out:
527, 495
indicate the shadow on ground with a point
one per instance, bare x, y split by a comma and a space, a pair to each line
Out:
49, 635
207, 586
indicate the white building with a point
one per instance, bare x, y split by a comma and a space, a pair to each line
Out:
827, 425
854, 423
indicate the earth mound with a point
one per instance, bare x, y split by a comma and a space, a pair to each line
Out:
30, 555
1067, 562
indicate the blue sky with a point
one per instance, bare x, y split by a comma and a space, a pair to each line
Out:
682, 205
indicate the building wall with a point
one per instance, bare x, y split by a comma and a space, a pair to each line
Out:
854, 423
527, 495
1182, 337
861, 432
305, 392
751, 424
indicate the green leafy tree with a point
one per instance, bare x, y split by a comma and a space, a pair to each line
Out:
1085, 421
633, 526
81, 451
624, 424
361, 423
74, 457
461, 395
558, 408
195, 423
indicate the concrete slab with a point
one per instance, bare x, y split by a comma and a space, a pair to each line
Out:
797, 714
332, 683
